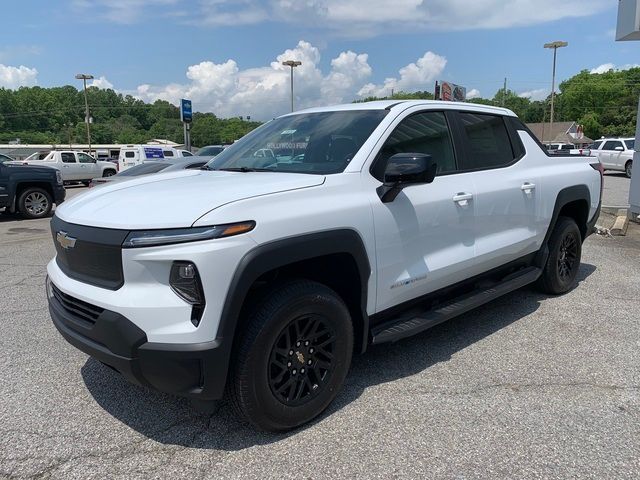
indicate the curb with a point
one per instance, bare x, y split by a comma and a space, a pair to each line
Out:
621, 224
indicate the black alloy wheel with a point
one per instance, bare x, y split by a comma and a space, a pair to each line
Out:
565, 249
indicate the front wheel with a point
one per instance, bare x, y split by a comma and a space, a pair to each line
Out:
565, 249
109, 173
35, 203
293, 356
627, 168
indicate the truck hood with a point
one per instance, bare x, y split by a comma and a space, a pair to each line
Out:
175, 199
20, 167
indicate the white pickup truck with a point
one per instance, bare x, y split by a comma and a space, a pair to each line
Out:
260, 276
74, 166
615, 153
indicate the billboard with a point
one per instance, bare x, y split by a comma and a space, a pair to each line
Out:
186, 112
450, 92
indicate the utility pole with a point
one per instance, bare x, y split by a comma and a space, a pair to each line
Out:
84, 77
504, 91
555, 46
292, 64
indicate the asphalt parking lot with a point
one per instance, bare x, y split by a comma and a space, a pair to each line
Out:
528, 386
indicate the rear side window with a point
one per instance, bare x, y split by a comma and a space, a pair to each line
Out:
612, 145
129, 154
596, 145
68, 157
426, 132
630, 144
487, 139
168, 153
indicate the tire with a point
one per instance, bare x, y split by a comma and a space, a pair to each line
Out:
86, 182
565, 249
627, 168
278, 382
34, 203
108, 173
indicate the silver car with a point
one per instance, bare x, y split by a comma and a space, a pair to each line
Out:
154, 166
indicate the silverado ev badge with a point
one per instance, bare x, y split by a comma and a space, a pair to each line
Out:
65, 240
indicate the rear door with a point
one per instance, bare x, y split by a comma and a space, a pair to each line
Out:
507, 185
425, 237
88, 166
70, 168
610, 157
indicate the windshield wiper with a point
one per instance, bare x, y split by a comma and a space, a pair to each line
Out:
244, 169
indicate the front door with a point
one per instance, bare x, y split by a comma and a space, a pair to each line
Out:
70, 167
88, 166
610, 156
425, 237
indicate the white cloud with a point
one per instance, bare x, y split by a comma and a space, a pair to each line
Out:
121, 11
415, 76
101, 82
535, 95
14, 77
227, 90
473, 93
605, 67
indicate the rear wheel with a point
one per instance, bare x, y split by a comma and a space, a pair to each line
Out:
34, 203
627, 168
565, 249
293, 357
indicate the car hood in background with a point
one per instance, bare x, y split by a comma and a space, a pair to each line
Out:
174, 200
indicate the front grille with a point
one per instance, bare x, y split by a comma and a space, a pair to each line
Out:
78, 308
92, 255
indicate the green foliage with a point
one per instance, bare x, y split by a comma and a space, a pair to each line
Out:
56, 115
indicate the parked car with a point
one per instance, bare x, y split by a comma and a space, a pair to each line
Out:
185, 153
131, 155
210, 150
30, 191
74, 166
567, 149
615, 154
5, 158
261, 278
149, 167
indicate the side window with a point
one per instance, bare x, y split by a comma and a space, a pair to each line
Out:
84, 158
611, 145
68, 157
168, 153
596, 145
425, 132
488, 143
129, 154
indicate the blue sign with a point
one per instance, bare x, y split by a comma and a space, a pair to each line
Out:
186, 113
152, 152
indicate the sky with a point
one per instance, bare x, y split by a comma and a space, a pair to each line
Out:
226, 55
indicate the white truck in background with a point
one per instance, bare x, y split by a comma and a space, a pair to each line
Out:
74, 166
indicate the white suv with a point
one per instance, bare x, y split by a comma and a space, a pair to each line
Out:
261, 276
615, 153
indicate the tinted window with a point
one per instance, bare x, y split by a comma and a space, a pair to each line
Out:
143, 169
596, 145
425, 132
168, 153
84, 158
630, 144
488, 144
129, 154
187, 154
68, 157
612, 144
317, 143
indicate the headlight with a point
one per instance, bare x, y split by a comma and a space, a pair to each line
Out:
59, 177
150, 238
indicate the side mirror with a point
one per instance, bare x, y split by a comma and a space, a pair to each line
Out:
620, 149
405, 169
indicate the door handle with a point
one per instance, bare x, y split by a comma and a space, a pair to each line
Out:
462, 198
528, 187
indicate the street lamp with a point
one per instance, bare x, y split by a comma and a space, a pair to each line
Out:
84, 77
555, 46
292, 64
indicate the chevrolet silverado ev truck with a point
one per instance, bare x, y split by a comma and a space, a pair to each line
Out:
259, 277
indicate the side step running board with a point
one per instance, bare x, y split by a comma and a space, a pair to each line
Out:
405, 327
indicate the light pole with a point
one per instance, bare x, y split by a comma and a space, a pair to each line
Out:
555, 46
292, 64
84, 77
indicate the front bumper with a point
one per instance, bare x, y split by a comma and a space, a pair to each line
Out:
59, 194
196, 371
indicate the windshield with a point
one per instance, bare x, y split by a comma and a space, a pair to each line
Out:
630, 144
317, 143
209, 151
143, 169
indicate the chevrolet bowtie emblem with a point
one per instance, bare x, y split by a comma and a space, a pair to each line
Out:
65, 240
